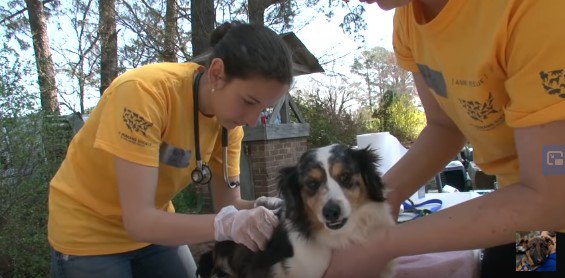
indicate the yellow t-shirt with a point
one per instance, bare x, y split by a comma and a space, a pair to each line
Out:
492, 66
145, 116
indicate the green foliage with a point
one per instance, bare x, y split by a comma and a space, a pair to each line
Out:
189, 201
24, 175
398, 114
328, 126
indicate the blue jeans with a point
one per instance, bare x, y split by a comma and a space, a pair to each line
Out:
150, 261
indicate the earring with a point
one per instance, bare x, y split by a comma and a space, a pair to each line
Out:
213, 90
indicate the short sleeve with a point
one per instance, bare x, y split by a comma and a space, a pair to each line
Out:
536, 64
401, 40
131, 123
235, 137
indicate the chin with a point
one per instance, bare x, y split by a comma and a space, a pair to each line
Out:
392, 4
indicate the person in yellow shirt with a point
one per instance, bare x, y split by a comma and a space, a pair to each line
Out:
492, 73
157, 129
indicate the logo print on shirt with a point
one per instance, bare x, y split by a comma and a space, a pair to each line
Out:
135, 122
434, 79
479, 111
553, 82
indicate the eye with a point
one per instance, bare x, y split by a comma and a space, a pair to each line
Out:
312, 185
248, 102
345, 178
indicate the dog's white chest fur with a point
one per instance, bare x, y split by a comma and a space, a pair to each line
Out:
310, 259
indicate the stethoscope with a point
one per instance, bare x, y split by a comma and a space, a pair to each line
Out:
202, 173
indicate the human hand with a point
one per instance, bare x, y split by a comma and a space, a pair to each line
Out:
272, 203
367, 260
252, 228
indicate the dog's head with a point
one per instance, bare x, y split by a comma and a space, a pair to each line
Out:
329, 187
538, 249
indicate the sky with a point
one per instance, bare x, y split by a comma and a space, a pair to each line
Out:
322, 36
325, 38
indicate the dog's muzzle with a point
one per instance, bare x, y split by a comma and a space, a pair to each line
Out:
332, 215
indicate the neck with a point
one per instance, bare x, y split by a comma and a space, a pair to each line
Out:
431, 8
204, 96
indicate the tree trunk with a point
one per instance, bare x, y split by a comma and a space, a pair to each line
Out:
170, 46
44, 62
108, 43
203, 20
256, 10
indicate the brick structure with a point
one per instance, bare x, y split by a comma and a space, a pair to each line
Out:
268, 157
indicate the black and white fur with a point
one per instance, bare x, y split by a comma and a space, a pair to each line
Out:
334, 198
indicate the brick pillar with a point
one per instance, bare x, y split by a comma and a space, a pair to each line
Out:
268, 157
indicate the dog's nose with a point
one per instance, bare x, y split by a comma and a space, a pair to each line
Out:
331, 211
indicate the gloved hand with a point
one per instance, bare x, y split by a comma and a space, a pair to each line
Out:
250, 227
272, 203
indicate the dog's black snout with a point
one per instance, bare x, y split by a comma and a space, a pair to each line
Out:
331, 211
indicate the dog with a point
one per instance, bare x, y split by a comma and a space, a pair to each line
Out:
334, 197
537, 251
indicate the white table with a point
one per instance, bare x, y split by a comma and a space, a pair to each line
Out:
449, 199
461, 264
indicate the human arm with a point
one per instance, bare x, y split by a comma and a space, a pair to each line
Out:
533, 204
223, 196
438, 143
137, 187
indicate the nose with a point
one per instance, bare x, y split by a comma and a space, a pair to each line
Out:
331, 211
252, 117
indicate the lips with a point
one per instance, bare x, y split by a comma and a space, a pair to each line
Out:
336, 225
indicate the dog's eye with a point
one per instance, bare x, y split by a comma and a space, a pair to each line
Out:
345, 179
312, 185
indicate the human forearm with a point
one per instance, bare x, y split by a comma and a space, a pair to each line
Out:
244, 204
435, 147
482, 222
159, 227
225, 196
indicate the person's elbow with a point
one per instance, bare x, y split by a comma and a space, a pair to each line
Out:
137, 225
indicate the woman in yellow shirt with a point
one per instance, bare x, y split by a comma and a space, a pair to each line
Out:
157, 129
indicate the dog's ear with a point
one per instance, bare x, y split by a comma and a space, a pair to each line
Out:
288, 186
368, 161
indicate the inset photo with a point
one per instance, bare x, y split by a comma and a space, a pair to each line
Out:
536, 251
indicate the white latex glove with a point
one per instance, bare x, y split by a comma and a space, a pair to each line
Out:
272, 203
250, 227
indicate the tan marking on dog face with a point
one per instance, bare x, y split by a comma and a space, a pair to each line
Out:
314, 200
356, 194
316, 174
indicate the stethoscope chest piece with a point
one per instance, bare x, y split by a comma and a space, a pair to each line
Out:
201, 174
